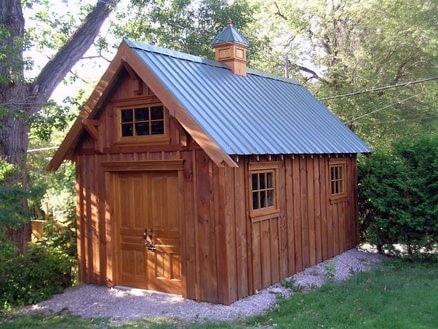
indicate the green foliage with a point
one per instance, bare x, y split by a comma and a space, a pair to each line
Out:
396, 295
183, 25
61, 237
52, 192
11, 61
330, 271
52, 117
61, 320
340, 47
47, 267
34, 276
12, 211
292, 285
48, 28
397, 195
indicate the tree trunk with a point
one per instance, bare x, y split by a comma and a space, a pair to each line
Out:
20, 100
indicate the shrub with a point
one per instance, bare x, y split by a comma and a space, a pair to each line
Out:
12, 211
34, 276
46, 267
398, 196
61, 236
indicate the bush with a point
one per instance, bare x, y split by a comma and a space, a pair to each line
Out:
12, 211
61, 237
398, 199
34, 276
46, 267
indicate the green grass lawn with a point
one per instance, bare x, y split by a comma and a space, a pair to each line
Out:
396, 295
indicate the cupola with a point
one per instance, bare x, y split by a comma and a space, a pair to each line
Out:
230, 48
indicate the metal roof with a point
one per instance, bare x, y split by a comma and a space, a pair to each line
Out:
229, 34
253, 114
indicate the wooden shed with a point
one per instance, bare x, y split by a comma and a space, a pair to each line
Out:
207, 179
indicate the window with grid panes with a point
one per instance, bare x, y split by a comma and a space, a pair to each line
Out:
263, 189
337, 179
142, 121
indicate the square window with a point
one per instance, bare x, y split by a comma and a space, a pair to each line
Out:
142, 121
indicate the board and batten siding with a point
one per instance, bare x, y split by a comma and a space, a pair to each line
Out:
201, 253
308, 229
226, 254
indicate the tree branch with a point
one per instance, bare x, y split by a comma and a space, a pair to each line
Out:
77, 76
313, 74
56, 69
279, 13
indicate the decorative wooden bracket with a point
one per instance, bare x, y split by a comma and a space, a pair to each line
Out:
134, 76
91, 127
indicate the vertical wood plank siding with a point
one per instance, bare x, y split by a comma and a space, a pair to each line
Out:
309, 229
225, 254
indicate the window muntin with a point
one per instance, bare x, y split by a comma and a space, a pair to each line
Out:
337, 172
142, 121
262, 190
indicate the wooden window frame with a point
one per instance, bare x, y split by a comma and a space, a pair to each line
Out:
148, 139
337, 183
265, 212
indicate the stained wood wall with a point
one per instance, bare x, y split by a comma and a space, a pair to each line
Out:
226, 255
308, 229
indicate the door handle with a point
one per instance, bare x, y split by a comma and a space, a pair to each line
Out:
149, 237
151, 247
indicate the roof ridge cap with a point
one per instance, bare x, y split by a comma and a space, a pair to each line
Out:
198, 59
172, 53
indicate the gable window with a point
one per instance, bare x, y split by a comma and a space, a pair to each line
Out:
142, 121
337, 172
142, 124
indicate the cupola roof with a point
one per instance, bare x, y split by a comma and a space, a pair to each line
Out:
230, 35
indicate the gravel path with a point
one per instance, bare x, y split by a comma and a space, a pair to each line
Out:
134, 304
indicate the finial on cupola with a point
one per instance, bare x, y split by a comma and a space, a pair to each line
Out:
230, 48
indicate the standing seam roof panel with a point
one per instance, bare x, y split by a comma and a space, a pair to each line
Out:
256, 114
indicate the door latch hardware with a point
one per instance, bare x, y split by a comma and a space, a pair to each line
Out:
149, 238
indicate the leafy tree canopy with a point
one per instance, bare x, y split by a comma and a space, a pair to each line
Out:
338, 47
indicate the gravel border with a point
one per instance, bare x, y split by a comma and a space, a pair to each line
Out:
122, 305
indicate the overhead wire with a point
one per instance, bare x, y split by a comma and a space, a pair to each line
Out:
381, 109
402, 84
425, 116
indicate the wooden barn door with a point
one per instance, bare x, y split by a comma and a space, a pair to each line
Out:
148, 248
